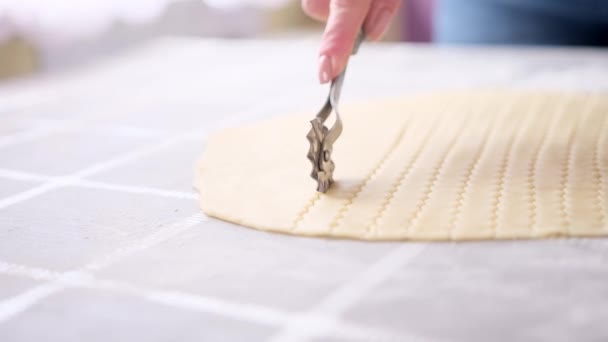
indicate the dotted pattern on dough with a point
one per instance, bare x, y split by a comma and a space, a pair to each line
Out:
565, 205
305, 211
494, 165
432, 181
533, 167
505, 165
402, 176
372, 174
466, 183
599, 178
603, 168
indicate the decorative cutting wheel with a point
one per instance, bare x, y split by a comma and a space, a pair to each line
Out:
321, 138
320, 156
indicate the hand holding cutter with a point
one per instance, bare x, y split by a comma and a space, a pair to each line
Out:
322, 138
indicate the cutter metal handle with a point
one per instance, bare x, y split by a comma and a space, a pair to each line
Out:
322, 138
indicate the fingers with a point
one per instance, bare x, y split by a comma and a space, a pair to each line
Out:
316, 9
379, 17
344, 20
343, 24
377, 20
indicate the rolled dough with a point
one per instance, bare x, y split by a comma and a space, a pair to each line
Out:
450, 166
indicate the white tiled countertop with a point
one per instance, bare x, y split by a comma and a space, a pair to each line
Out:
101, 238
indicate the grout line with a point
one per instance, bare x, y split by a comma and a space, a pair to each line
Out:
21, 302
247, 312
243, 312
127, 157
253, 313
27, 176
269, 316
31, 193
134, 189
55, 282
346, 331
60, 281
348, 295
153, 239
183, 300
113, 128
88, 171
32, 134
339, 328
28, 271
122, 159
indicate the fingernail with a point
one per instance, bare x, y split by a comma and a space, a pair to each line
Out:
325, 69
379, 23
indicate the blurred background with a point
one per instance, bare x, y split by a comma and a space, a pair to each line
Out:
42, 36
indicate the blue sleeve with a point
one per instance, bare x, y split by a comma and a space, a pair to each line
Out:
542, 22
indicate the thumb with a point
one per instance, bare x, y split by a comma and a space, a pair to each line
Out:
345, 20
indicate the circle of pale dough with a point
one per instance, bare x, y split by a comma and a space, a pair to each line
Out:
460, 166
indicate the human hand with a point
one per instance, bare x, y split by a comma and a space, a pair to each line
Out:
344, 20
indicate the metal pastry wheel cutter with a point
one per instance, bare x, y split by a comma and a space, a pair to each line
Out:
322, 138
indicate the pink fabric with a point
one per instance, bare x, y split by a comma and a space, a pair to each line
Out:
418, 16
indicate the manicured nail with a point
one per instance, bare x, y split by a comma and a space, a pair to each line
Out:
325, 69
379, 23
